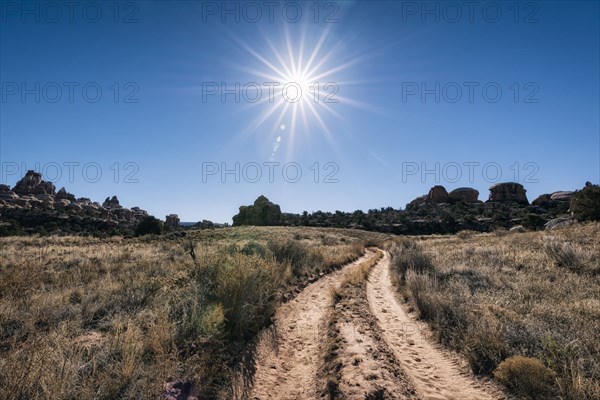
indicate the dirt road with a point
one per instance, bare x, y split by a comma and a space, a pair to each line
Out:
380, 351
288, 354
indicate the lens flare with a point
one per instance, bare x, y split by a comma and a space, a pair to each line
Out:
303, 80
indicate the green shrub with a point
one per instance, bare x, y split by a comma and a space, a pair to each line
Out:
534, 222
527, 377
298, 255
253, 248
585, 205
148, 226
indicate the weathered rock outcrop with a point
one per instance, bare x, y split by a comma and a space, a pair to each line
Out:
34, 204
172, 221
205, 224
111, 202
542, 200
464, 195
417, 202
437, 194
562, 196
32, 183
508, 191
261, 213
62, 194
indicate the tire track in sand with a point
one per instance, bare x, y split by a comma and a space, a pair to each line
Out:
288, 354
435, 374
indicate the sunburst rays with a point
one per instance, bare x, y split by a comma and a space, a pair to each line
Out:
308, 73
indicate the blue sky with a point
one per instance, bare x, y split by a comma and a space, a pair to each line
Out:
160, 140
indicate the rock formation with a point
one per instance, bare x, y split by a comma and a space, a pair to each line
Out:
464, 195
205, 224
437, 194
261, 213
34, 203
172, 221
111, 202
417, 202
508, 191
542, 200
32, 183
62, 194
562, 196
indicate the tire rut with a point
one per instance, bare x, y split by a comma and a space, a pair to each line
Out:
435, 374
368, 368
287, 355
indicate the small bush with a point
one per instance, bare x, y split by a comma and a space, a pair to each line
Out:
527, 377
297, 254
246, 288
148, 226
253, 248
534, 222
465, 234
411, 257
485, 346
564, 255
421, 289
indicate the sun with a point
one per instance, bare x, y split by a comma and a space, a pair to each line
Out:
305, 77
299, 87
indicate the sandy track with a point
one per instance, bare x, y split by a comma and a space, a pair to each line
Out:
435, 374
369, 369
287, 355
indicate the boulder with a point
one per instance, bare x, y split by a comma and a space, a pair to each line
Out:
542, 199
62, 194
72, 206
437, 194
558, 223
172, 221
205, 224
464, 195
508, 192
562, 196
9, 196
61, 204
111, 203
417, 202
4, 189
48, 205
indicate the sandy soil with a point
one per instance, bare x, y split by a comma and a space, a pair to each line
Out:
287, 355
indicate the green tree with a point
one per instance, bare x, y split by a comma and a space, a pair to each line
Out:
585, 205
149, 225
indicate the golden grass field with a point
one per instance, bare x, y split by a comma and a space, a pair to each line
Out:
496, 295
146, 317
121, 318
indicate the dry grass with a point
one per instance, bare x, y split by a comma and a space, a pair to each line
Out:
533, 294
84, 318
